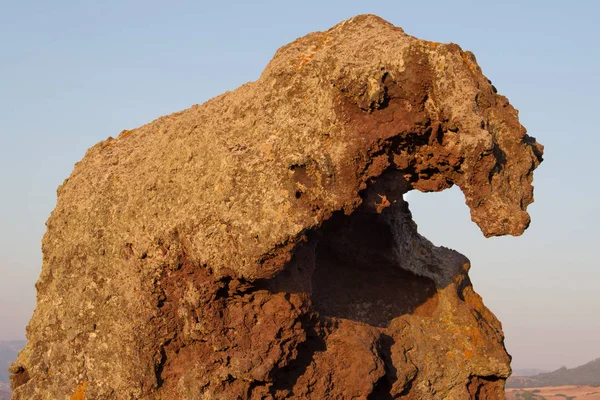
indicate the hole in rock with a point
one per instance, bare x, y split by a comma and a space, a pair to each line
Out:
357, 275
352, 270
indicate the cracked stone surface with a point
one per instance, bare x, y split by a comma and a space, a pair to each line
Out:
258, 246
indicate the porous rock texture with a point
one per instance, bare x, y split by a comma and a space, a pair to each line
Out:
258, 246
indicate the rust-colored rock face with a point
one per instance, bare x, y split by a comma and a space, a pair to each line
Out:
258, 246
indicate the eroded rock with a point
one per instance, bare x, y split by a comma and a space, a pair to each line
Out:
258, 246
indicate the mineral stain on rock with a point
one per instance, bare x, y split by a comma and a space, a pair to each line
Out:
258, 246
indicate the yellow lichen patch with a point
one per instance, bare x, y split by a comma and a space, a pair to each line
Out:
79, 392
433, 45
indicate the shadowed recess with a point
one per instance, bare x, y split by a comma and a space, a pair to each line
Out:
357, 276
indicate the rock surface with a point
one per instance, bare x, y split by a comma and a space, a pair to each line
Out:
257, 246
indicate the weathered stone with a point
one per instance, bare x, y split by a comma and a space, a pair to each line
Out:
258, 246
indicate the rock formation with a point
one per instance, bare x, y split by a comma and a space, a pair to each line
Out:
258, 246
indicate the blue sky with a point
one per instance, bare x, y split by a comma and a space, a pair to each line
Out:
73, 73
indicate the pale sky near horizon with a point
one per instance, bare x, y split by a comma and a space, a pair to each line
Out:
73, 73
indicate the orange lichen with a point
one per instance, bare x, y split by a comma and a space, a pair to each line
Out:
125, 133
301, 60
467, 61
319, 43
79, 392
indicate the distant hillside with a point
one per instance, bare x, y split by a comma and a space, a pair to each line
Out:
528, 371
8, 354
588, 374
5, 391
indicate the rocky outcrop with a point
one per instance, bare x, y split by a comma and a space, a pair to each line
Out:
258, 246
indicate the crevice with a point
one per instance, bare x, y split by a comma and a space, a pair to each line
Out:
284, 379
223, 291
158, 368
383, 387
500, 157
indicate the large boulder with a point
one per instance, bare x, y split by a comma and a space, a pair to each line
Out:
258, 246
